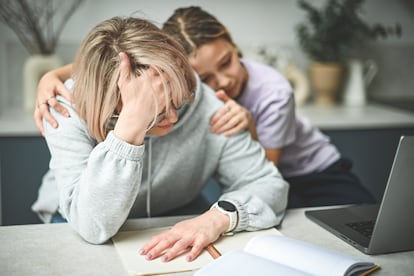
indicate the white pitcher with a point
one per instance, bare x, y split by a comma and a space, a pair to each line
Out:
360, 75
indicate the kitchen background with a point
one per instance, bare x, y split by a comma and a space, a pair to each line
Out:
368, 135
254, 24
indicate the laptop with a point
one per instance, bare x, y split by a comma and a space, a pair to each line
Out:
382, 228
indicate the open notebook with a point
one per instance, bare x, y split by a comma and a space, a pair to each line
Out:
268, 255
242, 254
129, 243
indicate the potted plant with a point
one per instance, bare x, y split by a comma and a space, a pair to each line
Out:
38, 29
328, 36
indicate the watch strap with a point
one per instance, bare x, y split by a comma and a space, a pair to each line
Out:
233, 217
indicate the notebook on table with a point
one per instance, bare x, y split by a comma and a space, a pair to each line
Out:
383, 228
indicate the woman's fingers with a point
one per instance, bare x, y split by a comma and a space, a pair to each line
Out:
180, 247
196, 250
159, 249
160, 243
188, 237
124, 69
169, 248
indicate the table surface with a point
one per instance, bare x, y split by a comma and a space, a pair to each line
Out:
55, 249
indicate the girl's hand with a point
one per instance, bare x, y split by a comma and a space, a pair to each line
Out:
141, 97
187, 237
231, 118
50, 85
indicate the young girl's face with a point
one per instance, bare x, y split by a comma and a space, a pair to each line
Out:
219, 66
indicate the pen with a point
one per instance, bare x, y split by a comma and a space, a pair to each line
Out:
212, 250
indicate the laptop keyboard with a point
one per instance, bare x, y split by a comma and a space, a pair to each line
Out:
364, 227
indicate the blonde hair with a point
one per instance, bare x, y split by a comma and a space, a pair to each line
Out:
96, 68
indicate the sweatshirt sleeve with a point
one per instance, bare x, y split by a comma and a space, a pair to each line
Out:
97, 183
253, 184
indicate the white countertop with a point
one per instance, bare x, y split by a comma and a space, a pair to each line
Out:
14, 123
55, 249
371, 116
337, 117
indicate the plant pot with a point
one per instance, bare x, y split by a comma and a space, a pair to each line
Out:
34, 68
326, 80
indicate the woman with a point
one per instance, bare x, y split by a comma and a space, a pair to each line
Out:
316, 171
127, 147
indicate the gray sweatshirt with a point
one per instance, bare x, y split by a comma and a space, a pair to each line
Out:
97, 186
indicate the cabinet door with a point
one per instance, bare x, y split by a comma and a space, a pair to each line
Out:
23, 162
372, 152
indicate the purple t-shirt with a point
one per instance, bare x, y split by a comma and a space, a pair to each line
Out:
269, 97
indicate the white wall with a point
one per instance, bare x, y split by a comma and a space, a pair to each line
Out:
257, 21
252, 23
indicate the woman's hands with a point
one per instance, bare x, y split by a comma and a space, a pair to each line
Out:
231, 118
141, 97
51, 85
189, 236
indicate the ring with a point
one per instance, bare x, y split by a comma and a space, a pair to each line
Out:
51, 97
46, 102
38, 106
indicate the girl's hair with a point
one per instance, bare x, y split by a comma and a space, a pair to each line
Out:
194, 27
96, 68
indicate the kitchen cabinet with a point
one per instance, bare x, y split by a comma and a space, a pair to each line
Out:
23, 161
368, 135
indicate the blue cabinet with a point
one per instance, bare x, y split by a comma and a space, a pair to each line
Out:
23, 161
372, 152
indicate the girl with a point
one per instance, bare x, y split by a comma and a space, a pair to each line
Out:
313, 166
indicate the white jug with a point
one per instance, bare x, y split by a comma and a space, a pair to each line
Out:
360, 75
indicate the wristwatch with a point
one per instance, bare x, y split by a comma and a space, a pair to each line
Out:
229, 209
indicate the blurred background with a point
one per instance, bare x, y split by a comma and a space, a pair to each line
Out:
265, 30
254, 24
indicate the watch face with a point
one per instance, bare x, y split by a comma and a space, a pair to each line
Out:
225, 205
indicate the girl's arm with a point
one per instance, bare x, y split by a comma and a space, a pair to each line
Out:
51, 85
273, 155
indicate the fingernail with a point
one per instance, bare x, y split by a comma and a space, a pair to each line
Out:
164, 258
55, 125
148, 257
188, 258
67, 115
141, 251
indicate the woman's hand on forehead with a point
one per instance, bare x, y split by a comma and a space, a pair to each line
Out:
142, 96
